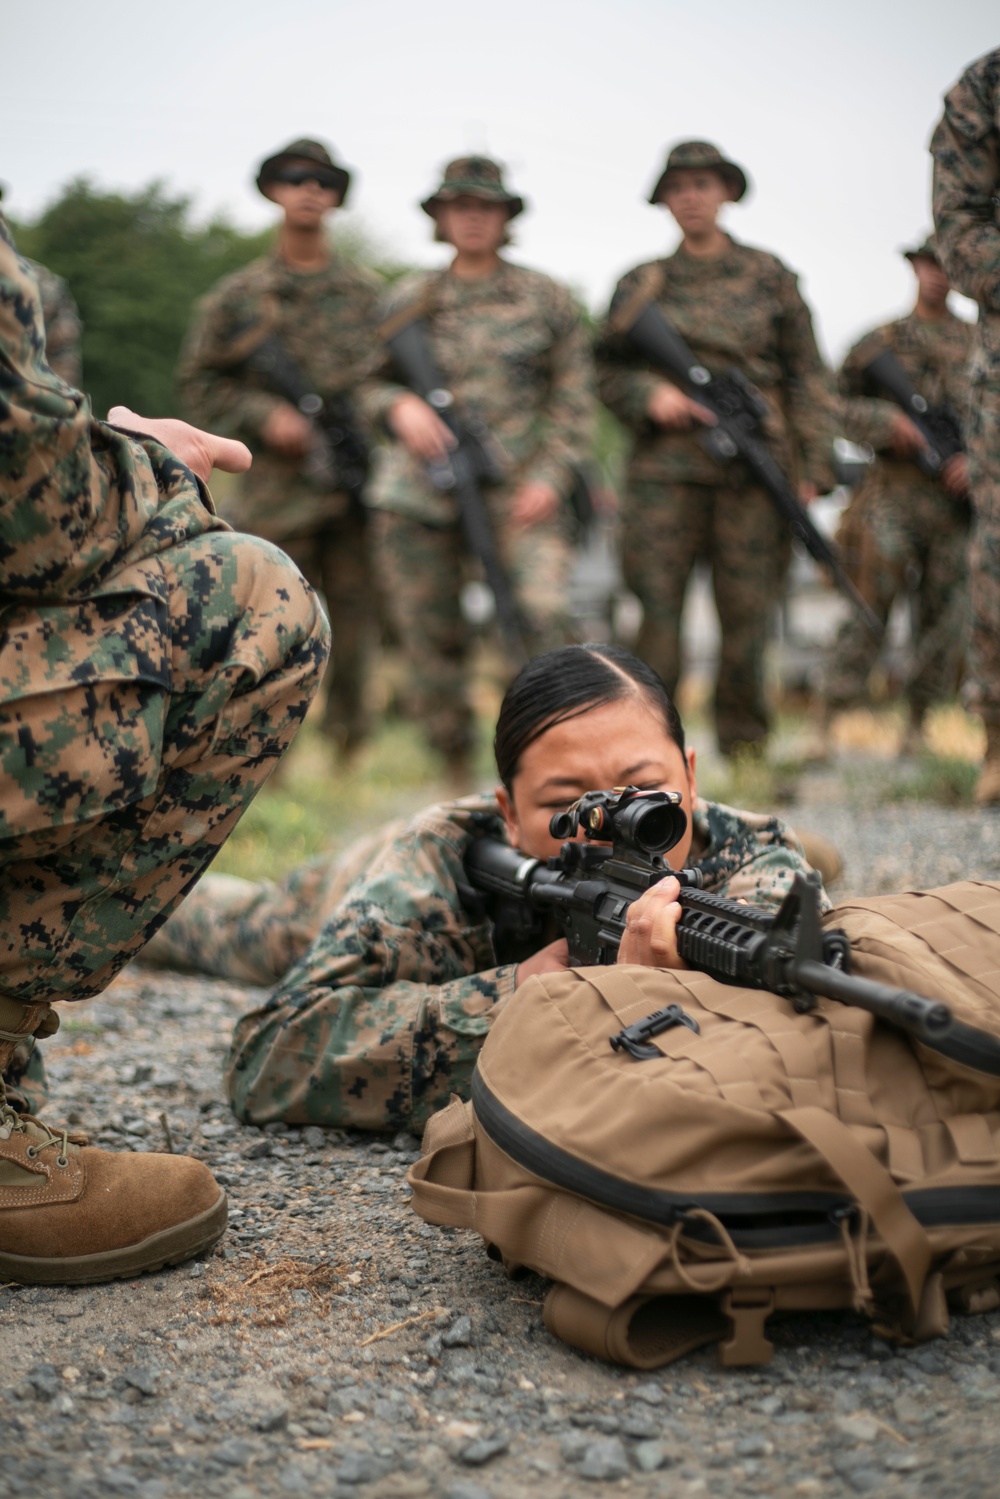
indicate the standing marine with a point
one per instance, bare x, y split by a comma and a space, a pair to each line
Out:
511, 347
737, 308
903, 523
966, 151
315, 310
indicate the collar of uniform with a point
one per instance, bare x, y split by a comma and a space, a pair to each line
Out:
460, 286
699, 266
335, 272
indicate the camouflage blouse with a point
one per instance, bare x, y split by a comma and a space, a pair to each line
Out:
387, 983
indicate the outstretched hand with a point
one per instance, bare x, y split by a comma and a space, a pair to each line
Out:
201, 451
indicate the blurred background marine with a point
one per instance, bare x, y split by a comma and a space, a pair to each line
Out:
270, 348
906, 529
511, 347
738, 308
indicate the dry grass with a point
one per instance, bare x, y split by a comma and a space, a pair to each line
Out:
265, 1297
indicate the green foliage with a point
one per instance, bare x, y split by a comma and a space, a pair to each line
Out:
135, 264
944, 779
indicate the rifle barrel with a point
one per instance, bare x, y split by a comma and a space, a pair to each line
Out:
927, 1019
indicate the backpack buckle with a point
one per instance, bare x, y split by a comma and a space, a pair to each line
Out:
748, 1308
635, 1038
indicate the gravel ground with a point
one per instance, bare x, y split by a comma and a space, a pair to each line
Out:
334, 1344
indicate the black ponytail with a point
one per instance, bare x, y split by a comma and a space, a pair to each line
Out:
566, 682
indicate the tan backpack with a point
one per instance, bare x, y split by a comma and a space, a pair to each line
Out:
758, 1161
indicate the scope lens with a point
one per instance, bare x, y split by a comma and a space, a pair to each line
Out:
561, 825
652, 827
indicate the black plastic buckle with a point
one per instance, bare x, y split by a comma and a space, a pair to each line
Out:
634, 1038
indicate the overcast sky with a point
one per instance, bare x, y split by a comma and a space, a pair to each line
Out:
828, 106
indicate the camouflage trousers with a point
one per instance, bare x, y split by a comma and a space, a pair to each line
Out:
118, 792
421, 569
666, 529
983, 441
888, 541
336, 563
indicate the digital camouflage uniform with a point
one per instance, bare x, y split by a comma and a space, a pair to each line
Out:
513, 351
153, 665
325, 320
901, 521
63, 328
966, 151
740, 309
386, 984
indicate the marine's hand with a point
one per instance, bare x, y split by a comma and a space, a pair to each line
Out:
651, 928
551, 959
201, 451
905, 439
421, 430
671, 408
287, 431
534, 502
955, 475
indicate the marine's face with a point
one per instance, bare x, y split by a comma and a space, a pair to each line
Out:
473, 225
932, 280
306, 203
694, 196
620, 744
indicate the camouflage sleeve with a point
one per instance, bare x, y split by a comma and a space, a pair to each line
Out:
61, 317
809, 395
748, 855
565, 430
210, 396
865, 418
622, 383
383, 1017
966, 151
74, 493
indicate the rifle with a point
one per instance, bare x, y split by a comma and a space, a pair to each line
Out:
338, 459
738, 408
589, 888
468, 466
937, 425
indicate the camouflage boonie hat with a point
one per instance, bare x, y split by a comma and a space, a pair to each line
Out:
697, 155
303, 151
925, 251
473, 177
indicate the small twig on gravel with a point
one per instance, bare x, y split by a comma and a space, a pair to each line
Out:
387, 1332
897, 1436
167, 1135
525, 1301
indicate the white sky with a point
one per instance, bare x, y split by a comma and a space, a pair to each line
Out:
829, 107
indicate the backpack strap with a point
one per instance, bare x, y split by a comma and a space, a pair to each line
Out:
871, 1186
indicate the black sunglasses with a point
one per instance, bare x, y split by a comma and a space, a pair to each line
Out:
296, 176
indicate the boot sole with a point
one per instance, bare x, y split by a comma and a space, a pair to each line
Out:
171, 1246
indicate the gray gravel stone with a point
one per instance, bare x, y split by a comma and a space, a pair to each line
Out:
649, 1456
459, 1334
483, 1451
604, 1460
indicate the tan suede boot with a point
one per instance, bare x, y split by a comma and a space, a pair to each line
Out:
71, 1214
988, 786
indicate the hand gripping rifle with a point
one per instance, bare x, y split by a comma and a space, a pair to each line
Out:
937, 425
338, 458
589, 887
468, 466
738, 408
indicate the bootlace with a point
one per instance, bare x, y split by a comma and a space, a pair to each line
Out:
40, 1135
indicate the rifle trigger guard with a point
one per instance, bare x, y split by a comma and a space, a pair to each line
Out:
635, 1038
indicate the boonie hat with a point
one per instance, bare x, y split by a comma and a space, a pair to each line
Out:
473, 177
303, 151
925, 251
697, 155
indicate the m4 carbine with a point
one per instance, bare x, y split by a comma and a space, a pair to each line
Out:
590, 885
937, 425
338, 458
468, 466
739, 409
